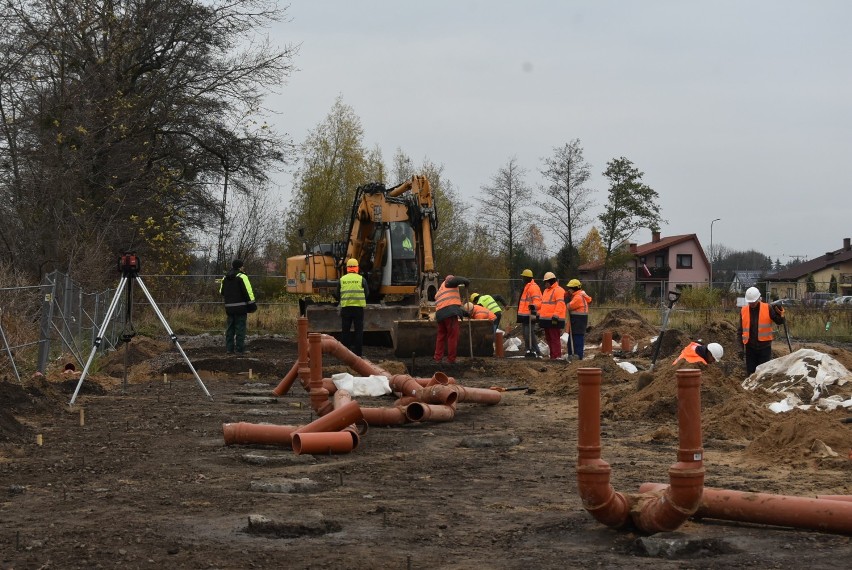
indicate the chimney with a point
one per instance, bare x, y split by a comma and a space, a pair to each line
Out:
655, 236
829, 255
846, 244
632, 247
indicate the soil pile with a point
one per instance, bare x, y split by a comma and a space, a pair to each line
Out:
621, 322
800, 434
35, 397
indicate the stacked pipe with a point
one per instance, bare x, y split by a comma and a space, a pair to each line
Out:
419, 399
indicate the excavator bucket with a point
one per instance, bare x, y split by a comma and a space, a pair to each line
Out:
417, 338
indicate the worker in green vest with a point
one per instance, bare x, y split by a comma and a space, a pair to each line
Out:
492, 303
352, 298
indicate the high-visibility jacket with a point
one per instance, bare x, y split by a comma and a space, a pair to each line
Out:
578, 310
764, 324
482, 313
690, 355
530, 297
489, 303
446, 297
238, 294
552, 305
352, 292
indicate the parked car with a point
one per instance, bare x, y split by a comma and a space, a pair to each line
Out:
787, 302
819, 299
842, 300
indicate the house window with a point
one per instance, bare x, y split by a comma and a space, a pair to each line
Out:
789, 292
659, 261
684, 261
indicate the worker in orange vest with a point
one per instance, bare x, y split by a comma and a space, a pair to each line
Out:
695, 352
448, 310
478, 312
755, 329
552, 315
529, 305
578, 315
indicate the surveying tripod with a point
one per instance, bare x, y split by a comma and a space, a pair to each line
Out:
128, 265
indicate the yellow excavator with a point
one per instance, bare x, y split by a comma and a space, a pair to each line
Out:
390, 234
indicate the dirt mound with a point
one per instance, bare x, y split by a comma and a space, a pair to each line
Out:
724, 333
674, 340
140, 349
793, 436
36, 396
621, 322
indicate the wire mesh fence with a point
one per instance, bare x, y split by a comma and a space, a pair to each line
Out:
40, 323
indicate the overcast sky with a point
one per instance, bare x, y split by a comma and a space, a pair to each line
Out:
738, 110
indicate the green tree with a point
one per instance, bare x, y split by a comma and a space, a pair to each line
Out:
569, 200
810, 284
504, 205
631, 205
333, 164
832, 284
119, 121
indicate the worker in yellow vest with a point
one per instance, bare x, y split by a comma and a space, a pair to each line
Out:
352, 292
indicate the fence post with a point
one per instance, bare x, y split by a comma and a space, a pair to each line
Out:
46, 320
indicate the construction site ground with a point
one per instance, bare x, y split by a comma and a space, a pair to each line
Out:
147, 481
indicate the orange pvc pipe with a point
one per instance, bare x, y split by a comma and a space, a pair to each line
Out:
606, 343
499, 351
263, 434
303, 351
682, 498
835, 497
476, 395
626, 343
384, 416
593, 473
318, 394
779, 510
334, 420
286, 382
315, 443
420, 412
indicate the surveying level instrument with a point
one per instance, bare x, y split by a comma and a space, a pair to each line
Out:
128, 266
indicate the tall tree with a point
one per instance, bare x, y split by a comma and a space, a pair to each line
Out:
333, 163
631, 205
120, 118
504, 205
569, 203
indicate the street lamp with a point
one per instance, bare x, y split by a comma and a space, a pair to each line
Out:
711, 250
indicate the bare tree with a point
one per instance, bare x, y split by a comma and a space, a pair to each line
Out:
567, 210
120, 119
504, 205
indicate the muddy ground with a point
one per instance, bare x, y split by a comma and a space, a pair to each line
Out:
148, 482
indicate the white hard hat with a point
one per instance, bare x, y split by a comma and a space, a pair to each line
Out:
549, 275
716, 350
752, 294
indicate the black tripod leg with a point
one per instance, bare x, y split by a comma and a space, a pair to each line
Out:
107, 318
172, 335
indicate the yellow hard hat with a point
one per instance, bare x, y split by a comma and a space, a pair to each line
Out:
352, 262
474, 297
574, 284
549, 275
526, 273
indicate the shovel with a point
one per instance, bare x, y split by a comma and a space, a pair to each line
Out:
469, 326
786, 332
673, 297
530, 352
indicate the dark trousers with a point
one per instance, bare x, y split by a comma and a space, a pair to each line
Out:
577, 342
350, 316
530, 339
235, 333
448, 334
755, 356
499, 315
